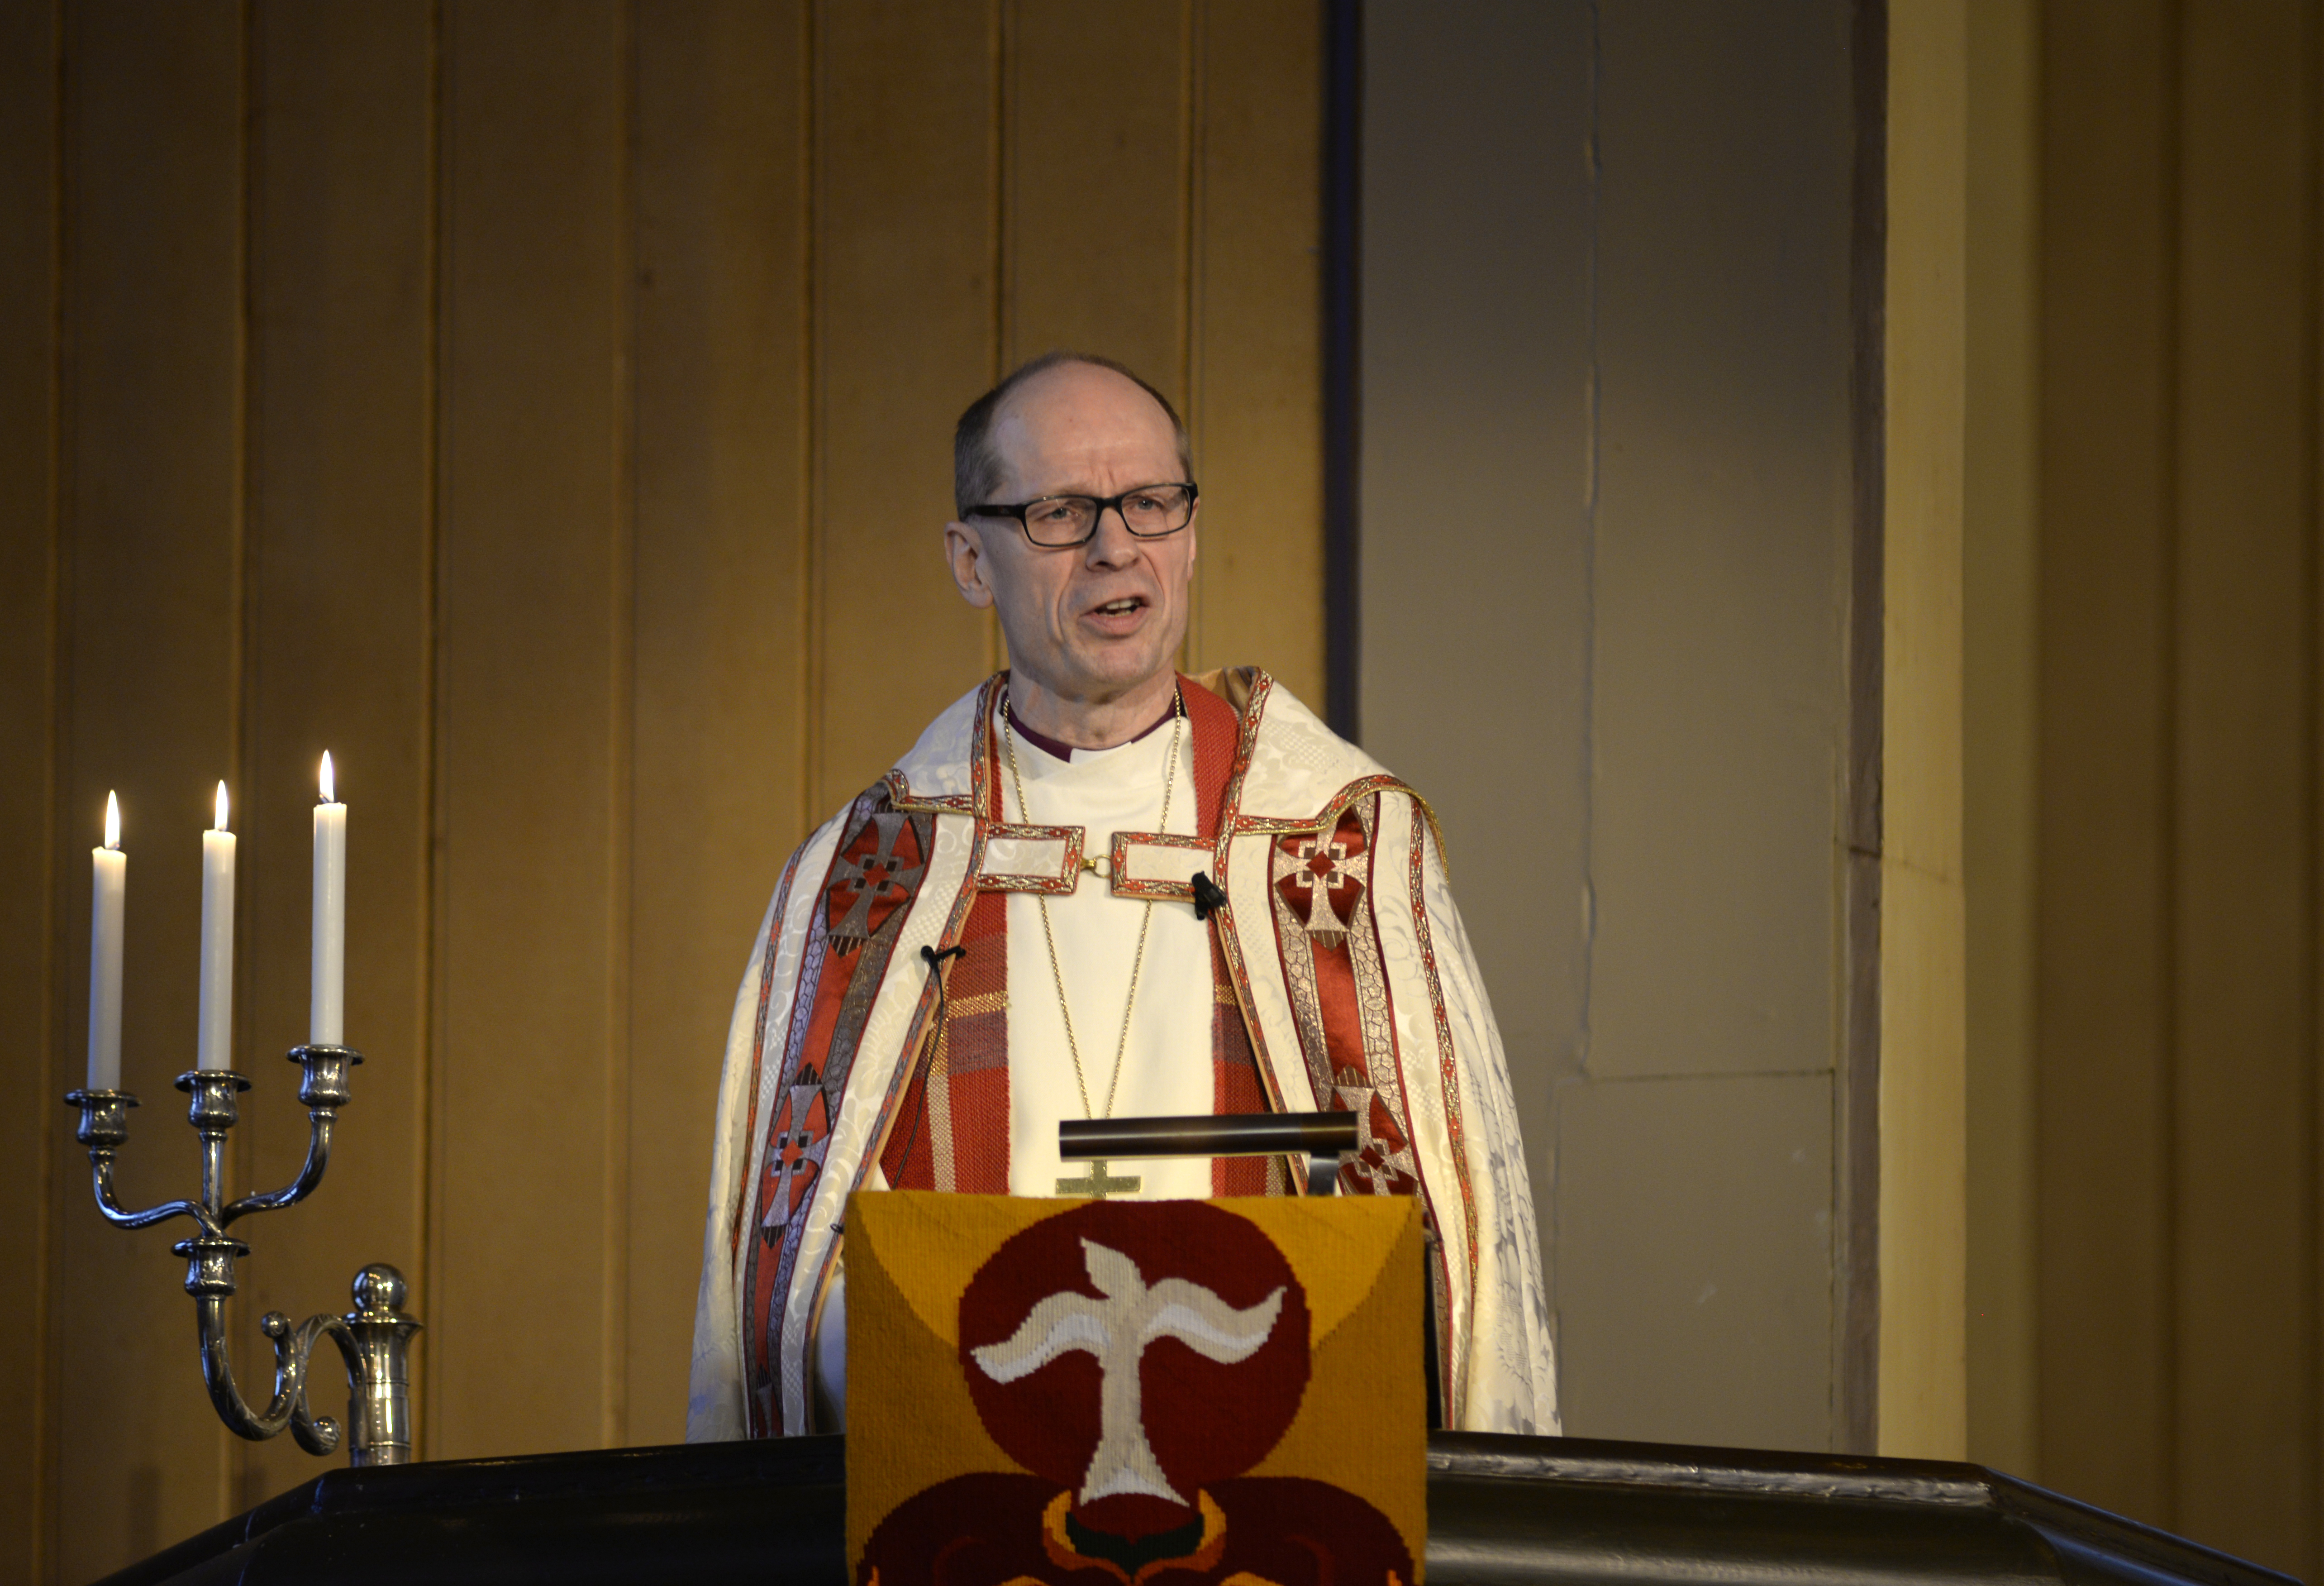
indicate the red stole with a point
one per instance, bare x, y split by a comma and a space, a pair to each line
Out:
952, 1130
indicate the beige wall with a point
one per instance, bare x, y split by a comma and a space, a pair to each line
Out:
1610, 574
547, 408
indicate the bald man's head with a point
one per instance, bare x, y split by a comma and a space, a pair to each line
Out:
976, 462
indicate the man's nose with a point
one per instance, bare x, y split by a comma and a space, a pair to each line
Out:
1112, 545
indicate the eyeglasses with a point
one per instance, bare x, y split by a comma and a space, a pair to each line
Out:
1060, 522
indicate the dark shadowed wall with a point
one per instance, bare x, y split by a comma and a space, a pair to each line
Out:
1610, 562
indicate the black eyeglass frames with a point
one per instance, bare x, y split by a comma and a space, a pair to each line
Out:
1060, 522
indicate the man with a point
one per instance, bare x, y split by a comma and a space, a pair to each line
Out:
1089, 873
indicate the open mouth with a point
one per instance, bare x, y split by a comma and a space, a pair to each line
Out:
1129, 604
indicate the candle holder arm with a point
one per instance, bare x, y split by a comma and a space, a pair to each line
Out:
111, 1208
104, 1125
310, 1174
322, 1090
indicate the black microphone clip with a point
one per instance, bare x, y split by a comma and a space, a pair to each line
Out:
1208, 899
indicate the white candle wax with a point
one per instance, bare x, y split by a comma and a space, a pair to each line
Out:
327, 1006
214, 1047
104, 925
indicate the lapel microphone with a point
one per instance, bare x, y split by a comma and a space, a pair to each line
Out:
1208, 899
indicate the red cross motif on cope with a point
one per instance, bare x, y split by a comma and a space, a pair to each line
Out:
1315, 875
794, 1152
1383, 1161
876, 871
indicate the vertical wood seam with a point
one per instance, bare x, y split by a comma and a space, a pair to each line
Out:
806, 625
426, 1101
1192, 145
1002, 151
1193, 85
1347, 708
2171, 262
2311, 490
47, 1425
1000, 155
1339, 359
621, 734
1857, 1309
817, 670
241, 747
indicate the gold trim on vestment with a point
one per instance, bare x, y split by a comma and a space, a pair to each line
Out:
1152, 888
1061, 885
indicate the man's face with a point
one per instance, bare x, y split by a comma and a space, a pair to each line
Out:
1093, 623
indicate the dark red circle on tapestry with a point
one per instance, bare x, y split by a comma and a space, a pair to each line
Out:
1205, 1419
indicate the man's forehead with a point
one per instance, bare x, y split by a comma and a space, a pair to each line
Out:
1080, 411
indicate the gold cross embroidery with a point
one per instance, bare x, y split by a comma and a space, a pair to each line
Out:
1099, 1184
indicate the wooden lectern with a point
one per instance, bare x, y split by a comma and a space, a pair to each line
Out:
1499, 1509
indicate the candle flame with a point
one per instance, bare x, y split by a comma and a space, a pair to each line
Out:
111, 821
219, 824
326, 779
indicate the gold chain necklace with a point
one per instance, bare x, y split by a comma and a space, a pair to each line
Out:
1138, 965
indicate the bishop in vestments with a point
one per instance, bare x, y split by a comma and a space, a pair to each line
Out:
1097, 888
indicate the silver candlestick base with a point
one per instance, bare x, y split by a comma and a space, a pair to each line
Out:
373, 1339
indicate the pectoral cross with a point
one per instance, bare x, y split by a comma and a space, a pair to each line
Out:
1099, 1184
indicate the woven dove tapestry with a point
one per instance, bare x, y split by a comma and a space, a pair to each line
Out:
1122, 1393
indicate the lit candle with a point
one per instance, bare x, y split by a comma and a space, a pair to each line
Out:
328, 984
104, 954
214, 1047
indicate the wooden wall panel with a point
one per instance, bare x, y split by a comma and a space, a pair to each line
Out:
529, 1104
2105, 864
1096, 241
2001, 540
339, 585
1924, 1159
35, 962
719, 771
2180, 842
546, 407
907, 125
2245, 862
1256, 342
153, 204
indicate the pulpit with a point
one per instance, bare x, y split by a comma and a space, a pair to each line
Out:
1501, 1510
1313, 1308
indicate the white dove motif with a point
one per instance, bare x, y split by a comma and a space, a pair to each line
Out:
1117, 1330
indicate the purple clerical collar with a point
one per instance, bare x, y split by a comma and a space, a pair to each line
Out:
1066, 752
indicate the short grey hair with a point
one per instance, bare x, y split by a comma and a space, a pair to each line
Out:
976, 461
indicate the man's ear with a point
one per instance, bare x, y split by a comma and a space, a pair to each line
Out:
965, 555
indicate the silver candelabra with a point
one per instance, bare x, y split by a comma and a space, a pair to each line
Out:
374, 1338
